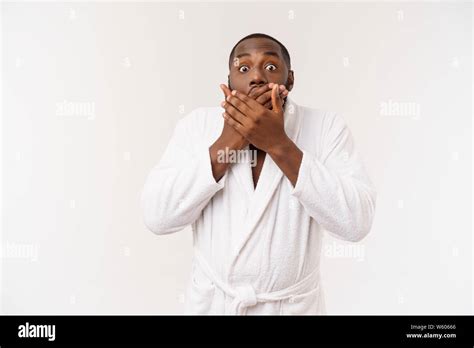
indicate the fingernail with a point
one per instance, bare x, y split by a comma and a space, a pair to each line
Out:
228, 98
234, 92
270, 85
282, 87
222, 104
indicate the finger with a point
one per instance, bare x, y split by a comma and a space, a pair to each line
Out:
276, 100
282, 88
233, 123
247, 102
257, 92
235, 114
226, 90
265, 97
239, 104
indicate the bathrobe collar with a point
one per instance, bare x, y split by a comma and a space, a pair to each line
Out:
270, 177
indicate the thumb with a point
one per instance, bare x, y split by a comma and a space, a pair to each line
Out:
276, 100
226, 90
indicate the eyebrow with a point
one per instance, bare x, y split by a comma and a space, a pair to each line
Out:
266, 53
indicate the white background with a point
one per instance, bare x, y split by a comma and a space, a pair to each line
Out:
73, 240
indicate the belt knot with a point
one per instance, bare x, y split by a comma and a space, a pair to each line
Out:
245, 297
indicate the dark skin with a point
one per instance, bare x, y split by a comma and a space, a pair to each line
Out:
259, 82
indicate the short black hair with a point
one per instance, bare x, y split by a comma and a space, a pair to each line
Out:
284, 51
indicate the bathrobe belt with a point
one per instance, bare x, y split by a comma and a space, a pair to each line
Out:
244, 296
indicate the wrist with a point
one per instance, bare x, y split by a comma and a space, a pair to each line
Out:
235, 143
281, 149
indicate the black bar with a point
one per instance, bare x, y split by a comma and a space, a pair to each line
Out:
245, 330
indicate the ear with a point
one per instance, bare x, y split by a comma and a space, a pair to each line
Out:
290, 81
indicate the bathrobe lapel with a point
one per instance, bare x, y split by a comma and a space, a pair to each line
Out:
243, 173
270, 177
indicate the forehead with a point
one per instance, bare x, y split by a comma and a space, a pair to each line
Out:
257, 46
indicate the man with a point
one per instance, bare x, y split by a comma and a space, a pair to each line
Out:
257, 230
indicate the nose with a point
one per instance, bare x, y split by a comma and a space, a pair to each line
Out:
258, 78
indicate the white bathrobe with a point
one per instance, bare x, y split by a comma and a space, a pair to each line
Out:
257, 251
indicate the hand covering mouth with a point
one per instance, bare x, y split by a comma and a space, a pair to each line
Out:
250, 90
253, 87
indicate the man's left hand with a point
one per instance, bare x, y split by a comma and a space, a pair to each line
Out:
262, 127
263, 94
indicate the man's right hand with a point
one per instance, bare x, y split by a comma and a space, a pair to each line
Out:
229, 135
229, 139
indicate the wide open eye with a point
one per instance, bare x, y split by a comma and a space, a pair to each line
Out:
271, 67
244, 68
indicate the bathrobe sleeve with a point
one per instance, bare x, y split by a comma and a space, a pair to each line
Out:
334, 188
181, 184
